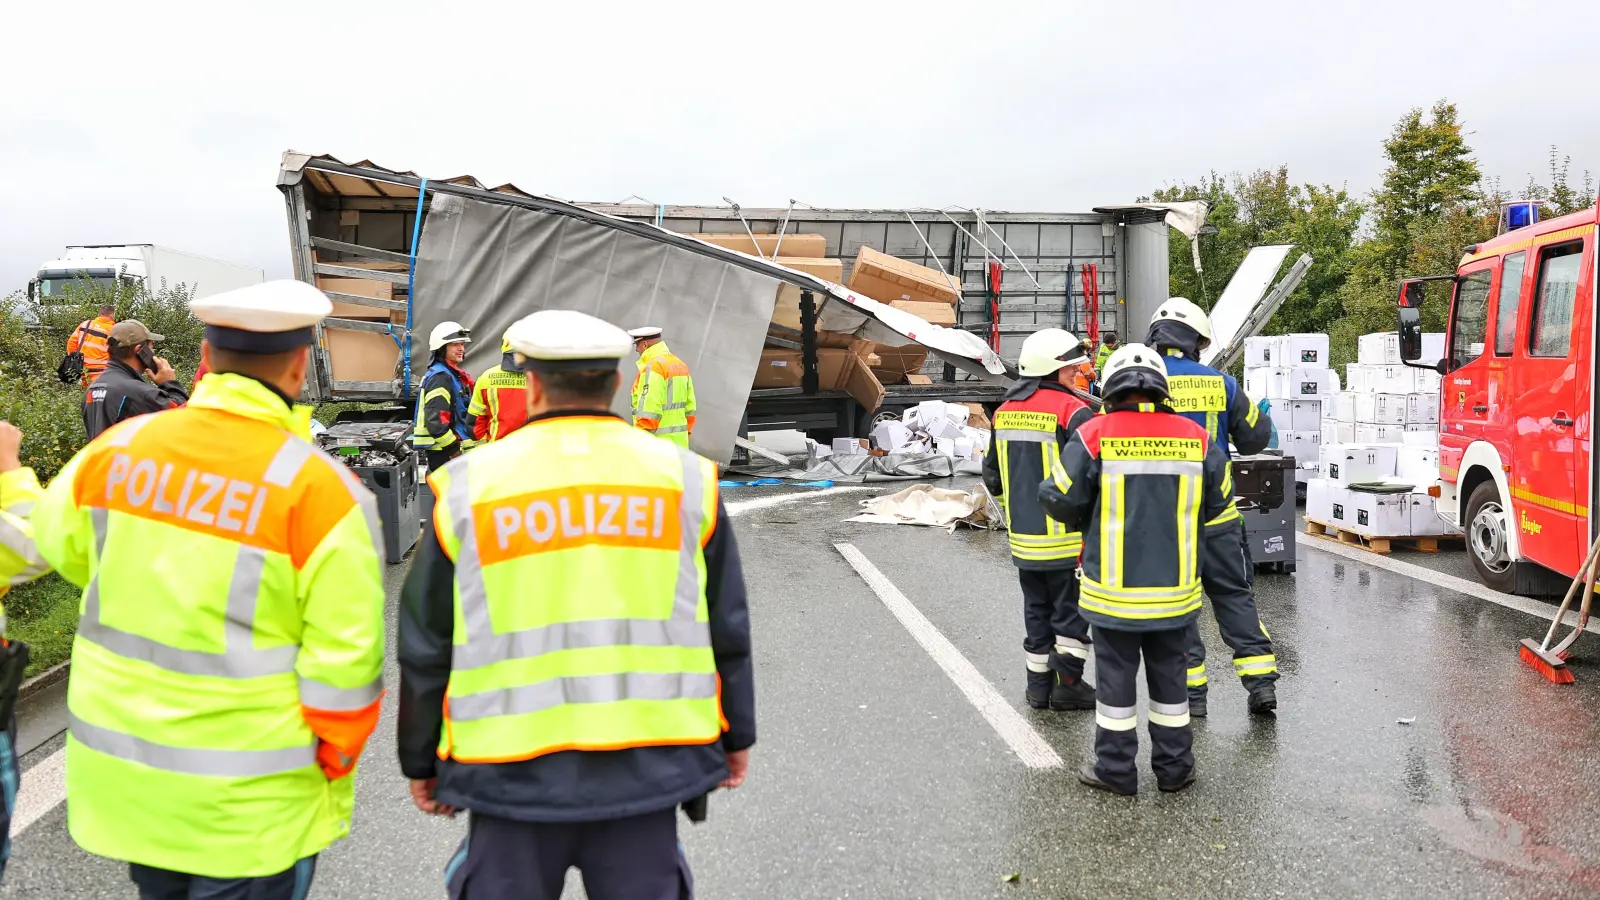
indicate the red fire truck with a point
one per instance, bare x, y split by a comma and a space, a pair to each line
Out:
1517, 397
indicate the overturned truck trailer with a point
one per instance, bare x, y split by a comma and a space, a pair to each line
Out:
399, 253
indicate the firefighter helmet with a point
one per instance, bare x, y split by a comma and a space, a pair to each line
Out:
1134, 367
1048, 350
448, 333
1184, 311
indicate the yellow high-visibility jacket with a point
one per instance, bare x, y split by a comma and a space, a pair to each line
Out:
663, 395
228, 663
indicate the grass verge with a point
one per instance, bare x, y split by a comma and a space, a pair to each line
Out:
44, 615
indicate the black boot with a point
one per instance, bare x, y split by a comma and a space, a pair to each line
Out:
1040, 685
1071, 693
1263, 699
1178, 786
1087, 776
1197, 705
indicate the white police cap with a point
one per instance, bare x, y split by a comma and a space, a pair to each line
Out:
648, 331
270, 317
565, 340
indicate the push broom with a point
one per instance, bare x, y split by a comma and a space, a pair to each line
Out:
1551, 661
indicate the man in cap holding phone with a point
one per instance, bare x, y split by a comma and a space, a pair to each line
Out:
121, 392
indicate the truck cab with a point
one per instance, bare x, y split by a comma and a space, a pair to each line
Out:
1517, 393
86, 266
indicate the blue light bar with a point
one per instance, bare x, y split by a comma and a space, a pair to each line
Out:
1520, 214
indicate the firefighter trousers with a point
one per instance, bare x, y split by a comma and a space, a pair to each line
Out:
1057, 636
160, 884
1228, 575
1116, 694
637, 858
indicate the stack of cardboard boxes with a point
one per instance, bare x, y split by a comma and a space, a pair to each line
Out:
921, 291
1381, 432
956, 430
1291, 372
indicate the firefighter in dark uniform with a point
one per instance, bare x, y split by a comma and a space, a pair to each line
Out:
444, 424
1148, 489
1036, 420
1214, 400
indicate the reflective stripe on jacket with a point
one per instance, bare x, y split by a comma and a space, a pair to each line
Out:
1214, 401
442, 408
19, 555
1143, 485
613, 648
499, 403
90, 338
1028, 434
228, 663
663, 395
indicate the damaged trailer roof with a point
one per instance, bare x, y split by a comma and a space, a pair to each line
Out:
840, 309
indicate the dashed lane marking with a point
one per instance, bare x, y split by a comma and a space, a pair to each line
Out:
1006, 721
43, 788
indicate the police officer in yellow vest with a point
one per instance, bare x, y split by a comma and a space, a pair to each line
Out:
663, 392
574, 641
19, 562
227, 668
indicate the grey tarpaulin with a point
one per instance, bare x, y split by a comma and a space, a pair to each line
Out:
487, 265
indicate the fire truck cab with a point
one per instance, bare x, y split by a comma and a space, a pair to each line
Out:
1517, 396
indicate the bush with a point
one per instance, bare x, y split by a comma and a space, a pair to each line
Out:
44, 615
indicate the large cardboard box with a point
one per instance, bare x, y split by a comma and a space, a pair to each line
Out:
1381, 515
810, 246
1347, 464
933, 313
860, 383
781, 368
1378, 434
1381, 409
786, 311
1344, 407
1272, 384
888, 279
897, 364
1258, 352
361, 355
1422, 409
1425, 518
1310, 350
1361, 378
1382, 349
1319, 499
1418, 465
360, 287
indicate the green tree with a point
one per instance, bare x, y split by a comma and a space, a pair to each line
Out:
1430, 171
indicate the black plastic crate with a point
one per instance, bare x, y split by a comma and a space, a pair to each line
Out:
396, 488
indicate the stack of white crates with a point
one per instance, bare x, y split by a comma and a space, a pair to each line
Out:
1383, 427
1291, 371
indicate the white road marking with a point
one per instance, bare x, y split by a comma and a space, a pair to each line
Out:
744, 506
1448, 582
43, 788
1006, 721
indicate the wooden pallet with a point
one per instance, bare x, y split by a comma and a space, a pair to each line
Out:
1429, 544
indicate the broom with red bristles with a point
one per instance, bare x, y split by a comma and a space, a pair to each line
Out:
1551, 661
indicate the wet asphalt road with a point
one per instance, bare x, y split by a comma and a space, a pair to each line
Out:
875, 777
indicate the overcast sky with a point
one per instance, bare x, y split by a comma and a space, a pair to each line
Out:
162, 122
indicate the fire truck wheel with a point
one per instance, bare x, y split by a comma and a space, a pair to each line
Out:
1486, 524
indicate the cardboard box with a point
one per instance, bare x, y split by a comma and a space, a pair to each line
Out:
781, 367
859, 382
1422, 409
1319, 500
1347, 464
1367, 433
850, 446
1381, 409
1344, 406
360, 287
1418, 465
1422, 436
942, 427
1406, 380
891, 436
788, 442
1432, 347
361, 355
897, 365
933, 313
786, 311
910, 379
1308, 382
977, 417
1272, 384
1304, 446
1282, 413
1258, 352
1424, 514
807, 246
1306, 415
1343, 514
888, 279
1382, 349
1305, 350
1360, 378
1330, 431
1381, 515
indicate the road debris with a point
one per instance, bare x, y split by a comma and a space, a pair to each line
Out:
924, 504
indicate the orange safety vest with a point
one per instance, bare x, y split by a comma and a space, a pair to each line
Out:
90, 339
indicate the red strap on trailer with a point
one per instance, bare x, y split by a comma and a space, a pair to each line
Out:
1091, 298
995, 271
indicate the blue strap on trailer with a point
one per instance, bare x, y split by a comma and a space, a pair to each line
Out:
411, 286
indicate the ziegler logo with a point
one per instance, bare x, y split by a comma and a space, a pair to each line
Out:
1528, 525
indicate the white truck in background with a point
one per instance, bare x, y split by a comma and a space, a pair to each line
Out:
138, 264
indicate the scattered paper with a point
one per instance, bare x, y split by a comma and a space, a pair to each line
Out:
1013, 878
